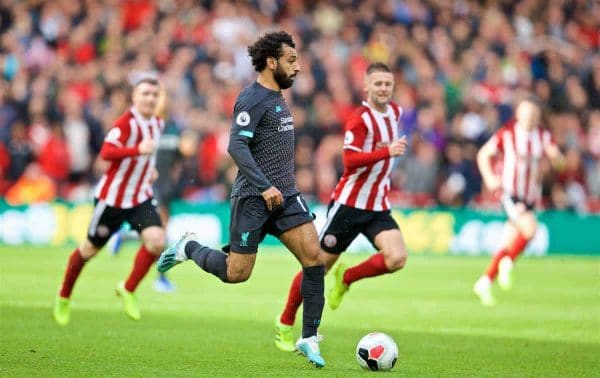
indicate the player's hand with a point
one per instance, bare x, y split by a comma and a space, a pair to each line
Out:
272, 197
146, 146
493, 183
398, 147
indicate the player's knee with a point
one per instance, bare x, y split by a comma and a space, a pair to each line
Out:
238, 275
528, 226
312, 257
155, 242
396, 260
88, 250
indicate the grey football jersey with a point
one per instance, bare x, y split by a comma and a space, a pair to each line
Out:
263, 125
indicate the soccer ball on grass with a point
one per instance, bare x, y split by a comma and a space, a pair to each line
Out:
377, 351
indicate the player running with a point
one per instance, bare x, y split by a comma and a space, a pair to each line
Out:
124, 194
522, 144
359, 203
265, 199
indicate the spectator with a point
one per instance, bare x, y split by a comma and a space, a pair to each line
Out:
32, 187
459, 67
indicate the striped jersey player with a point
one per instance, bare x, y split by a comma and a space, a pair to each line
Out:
365, 183
124, 194
521, 144
128, 180
359, 203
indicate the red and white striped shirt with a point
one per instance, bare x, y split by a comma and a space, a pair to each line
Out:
126, 183
522, 151
369, 130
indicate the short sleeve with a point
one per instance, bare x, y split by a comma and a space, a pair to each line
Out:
118, 134
246, 118
356, 132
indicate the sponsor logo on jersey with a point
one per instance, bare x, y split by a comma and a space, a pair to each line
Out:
286, 124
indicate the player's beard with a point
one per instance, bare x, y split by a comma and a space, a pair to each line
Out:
376, 100
283, 80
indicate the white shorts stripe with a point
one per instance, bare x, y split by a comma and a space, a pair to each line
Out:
330, 215
98, 210
301, 204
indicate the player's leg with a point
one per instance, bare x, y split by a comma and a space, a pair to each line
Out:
483, 286
525, 227
510, 234
526, 224
162, 284
188, 247
145, 220
284, 337
105, 220
303, 242
385, 235
153, 242
337, 234
391, 257
77, 260
248, 215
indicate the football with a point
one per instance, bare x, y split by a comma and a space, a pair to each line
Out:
377, 351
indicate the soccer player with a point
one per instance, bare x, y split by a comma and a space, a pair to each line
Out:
359, 203
166, 159
124, 194
264, 198
522, 143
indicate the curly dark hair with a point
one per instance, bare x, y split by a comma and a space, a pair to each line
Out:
269, 45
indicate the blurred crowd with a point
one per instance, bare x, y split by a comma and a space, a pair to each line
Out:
460, 67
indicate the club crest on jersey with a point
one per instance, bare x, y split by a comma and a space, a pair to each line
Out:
348, 137
103, 231
330, 241
243, 119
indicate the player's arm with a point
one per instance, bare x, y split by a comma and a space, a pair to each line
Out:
354, 159
240, 152
242, 131
114, 147
484, 162
354, 139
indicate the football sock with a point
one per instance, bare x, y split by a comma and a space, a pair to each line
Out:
517, 246
294, 300
373, 266
492, 270
210, 260
142, 263
312, 288
74, 266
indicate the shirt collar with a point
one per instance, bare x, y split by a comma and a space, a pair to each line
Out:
138, 116
386, 113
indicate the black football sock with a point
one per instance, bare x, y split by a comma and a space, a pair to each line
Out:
313, 286
210, 260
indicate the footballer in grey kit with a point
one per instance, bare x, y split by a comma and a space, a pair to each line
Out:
262, 124
264, 199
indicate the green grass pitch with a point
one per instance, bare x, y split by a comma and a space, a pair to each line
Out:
549, 325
